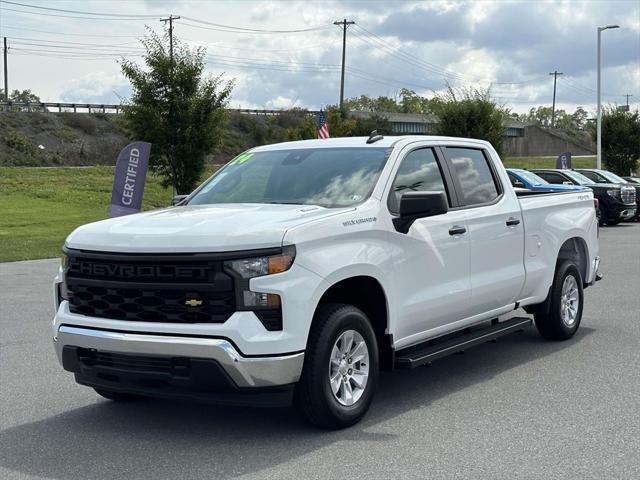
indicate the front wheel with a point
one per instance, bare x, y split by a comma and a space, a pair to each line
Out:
601, 215
340, 370
562, 318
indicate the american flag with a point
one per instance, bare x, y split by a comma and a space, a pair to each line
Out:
323, 126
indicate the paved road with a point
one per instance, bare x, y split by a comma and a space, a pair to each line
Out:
521, 408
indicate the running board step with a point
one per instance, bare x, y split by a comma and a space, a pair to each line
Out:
419, 355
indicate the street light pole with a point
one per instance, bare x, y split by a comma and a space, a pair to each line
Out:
599, 114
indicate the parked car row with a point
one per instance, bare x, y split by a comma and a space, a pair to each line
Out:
618, 198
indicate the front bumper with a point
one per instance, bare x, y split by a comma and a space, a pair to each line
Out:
243, 372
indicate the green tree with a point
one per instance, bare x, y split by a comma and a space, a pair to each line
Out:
620, 140
470, 113
177, 108
411, 102
339, 124
580, 118
24, 96
364, 126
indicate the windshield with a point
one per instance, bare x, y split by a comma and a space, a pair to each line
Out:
329, 177
578, 177
612, 177
532, 177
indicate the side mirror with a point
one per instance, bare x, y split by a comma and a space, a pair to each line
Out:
414, 205
177, 200
567, 183
518, 184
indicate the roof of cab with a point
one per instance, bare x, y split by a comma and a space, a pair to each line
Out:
387, 141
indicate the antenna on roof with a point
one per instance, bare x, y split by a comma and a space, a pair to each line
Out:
374, 137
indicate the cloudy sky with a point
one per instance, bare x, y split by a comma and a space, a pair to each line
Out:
287, 53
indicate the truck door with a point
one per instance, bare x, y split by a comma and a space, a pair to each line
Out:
431, 275
496, 230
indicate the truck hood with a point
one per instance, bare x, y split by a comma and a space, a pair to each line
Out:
197, 228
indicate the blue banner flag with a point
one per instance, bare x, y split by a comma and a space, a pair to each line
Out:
130, 176
564, 161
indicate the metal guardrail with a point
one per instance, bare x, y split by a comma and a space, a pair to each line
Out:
110, 108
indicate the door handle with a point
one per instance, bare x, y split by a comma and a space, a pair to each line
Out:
457, 230
512, 221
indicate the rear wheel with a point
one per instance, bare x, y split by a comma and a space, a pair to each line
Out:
562, 319
117, 396
340, 370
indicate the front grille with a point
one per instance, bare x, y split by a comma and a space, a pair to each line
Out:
628, 195
150, 288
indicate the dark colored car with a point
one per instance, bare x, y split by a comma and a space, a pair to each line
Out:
616, 202
605, 176
525, 179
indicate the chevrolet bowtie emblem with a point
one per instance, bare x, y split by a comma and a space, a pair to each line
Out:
192, 302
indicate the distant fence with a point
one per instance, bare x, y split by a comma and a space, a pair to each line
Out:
104, 108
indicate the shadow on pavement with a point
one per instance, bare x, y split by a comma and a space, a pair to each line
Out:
158, 439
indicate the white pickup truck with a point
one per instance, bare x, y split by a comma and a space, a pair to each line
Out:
300, 270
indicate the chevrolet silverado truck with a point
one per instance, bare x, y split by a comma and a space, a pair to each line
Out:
300, 270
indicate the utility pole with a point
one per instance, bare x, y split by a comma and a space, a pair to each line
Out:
343, 24
170, 20
6, 74
171, 106
555, 74
628, 95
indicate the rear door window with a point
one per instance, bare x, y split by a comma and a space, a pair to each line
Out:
478, 181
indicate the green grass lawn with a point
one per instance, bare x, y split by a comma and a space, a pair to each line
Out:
547, 162
39, 207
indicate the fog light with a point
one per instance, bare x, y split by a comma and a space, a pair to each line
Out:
258, 299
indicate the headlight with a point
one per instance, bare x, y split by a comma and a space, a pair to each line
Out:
261, 303
260, 266
614, 193
64, 261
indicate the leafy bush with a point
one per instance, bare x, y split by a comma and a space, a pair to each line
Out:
80, 121
470, 113
19, 142
65, 134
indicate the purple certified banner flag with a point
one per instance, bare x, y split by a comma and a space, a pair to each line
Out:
128, 183
564, 161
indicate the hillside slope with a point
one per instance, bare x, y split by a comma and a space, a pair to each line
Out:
74, 139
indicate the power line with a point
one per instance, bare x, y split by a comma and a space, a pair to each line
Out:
69, 33
69, 16
431, 67
256, 30
77, 11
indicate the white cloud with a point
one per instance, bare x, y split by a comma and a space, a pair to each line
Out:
96, 87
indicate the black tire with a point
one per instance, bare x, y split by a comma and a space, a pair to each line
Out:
602, 215
117, 396
549, 321
314, 397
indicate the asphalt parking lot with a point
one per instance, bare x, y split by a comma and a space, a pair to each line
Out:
520, 408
